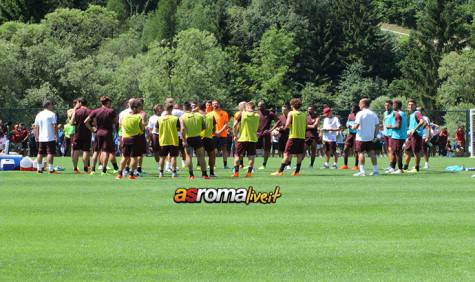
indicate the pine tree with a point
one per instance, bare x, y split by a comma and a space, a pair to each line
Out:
161, 24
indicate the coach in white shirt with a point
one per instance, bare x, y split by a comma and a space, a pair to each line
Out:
331, 126
367, 127
47, 132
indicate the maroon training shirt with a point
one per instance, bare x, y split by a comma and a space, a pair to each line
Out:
82, 132
105, 119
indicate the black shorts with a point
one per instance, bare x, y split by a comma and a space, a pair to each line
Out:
221, 142
142, 144
81, 145
169, 150
130, 147
243, 148
155, 143
264, 142
295, 146
104, 144
46, 148
329, 147
361, 146
209, 144
194, 142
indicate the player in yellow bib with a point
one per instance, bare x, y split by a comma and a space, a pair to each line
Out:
297, 124
168, 126
209, 143
132, 126
247, 126
192, 124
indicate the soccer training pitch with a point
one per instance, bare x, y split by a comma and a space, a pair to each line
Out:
327, 225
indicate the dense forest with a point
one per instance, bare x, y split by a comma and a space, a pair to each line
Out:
325, 51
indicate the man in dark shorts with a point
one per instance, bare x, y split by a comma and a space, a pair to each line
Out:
102, 122
191, 124
142, 141
416, 131
168, 127
47, 132
81, 141
153, 133
367, 126
280, 126
264, 134
398, 126
247, 125
132, 127
207, 137
221, 133
350, 138
311, 134
297, 124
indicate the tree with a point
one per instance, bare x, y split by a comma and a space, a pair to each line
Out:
161, 24
317, 96
9, 57
457, 73
271, 64
441, 29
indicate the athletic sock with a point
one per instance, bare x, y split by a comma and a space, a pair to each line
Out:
104, 169
345, 160
40, 167
282, 167
204, 173
116, 167
356, 161
94, 168
297, 167
417, 167
375, 168
236, 169
50, 167
211, 171
405, 167
264, 164
393, 164
139, 169
119, 173
225, 163
249, 169
85, 169
362, 169
312, 161
127, 168
241, 162
191, 172
158, 165
161, 171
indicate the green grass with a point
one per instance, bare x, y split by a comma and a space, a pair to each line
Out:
327, 225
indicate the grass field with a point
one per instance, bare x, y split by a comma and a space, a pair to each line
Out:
327, 225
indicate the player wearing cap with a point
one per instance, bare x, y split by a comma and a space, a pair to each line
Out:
416, 131
297, 124
247, 125
192, 124
367, 127
331, 125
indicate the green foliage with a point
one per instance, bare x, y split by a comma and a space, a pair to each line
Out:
354, 86
457, 71
161, 24
317, 96
457, 116
401, 12
271, 63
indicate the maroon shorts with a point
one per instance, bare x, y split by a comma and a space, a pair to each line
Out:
246, 148
282, 142
194, 142
104, 144
350, 140
264, 142
415, 144
396, 145
169, 150
361, 146
130, 147
386, 142
209, 144
81, 145
46, 148
155, 143
329, 147
295, 146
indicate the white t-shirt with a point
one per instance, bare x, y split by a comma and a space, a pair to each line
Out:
152, 123
368, 122
427, 129
330, 123
45, 121
123, 113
